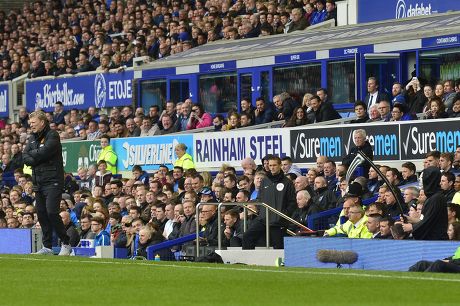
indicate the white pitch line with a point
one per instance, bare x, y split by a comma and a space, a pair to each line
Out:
327, 273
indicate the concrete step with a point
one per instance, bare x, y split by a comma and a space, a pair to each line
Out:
258, 257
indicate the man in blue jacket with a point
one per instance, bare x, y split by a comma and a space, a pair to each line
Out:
263, 112
102, 237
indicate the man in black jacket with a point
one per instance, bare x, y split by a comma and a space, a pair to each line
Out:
323, 111
279, 192
433, 223
361, 144
323, 197
44, 154
211, 228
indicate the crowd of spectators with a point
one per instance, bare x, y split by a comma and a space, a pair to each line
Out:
52, 37
147, 208
404, 104
416, 100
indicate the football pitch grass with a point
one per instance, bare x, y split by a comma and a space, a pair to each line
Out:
52, 280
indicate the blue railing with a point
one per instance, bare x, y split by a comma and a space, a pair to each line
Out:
166, 245
320, 220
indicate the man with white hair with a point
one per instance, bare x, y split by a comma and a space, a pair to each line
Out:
248, 163
305, 208
361, 144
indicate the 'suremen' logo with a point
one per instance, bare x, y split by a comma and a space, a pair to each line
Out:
401, 9
100, 91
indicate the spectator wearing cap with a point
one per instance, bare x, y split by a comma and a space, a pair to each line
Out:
206, 195
184, 159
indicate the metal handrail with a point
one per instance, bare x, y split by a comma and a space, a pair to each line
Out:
244, 205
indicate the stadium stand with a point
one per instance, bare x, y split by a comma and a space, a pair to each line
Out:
145, 210
54, 38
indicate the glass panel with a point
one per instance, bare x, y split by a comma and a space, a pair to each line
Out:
245, 87
179, 90
297, 80
218, 92
386, 72
341, 81
440, 65
153, 92
265, 85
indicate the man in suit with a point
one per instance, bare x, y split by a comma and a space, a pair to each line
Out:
373, 95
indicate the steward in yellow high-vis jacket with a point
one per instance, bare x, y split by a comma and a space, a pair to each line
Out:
108, 154
355, 227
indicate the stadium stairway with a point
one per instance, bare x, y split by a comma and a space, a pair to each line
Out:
259, 256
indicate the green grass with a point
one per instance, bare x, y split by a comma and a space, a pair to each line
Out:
34, 280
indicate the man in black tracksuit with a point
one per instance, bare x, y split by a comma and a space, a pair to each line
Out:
433, 226
433, 223
44, 154
279, 192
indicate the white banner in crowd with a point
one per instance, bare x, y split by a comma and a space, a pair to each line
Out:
211, 150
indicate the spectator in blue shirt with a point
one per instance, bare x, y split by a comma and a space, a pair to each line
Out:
102, 237
397, 92
263, 112
320, 14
